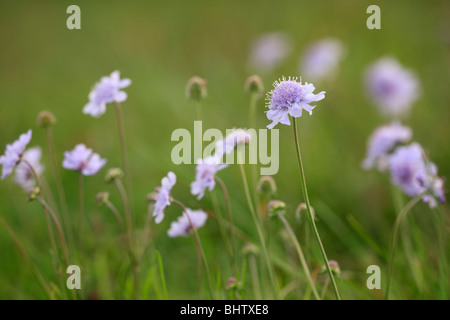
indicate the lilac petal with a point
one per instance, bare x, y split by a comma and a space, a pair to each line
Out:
296, 110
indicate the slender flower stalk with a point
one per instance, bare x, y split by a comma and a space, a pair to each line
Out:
394, 237
123, 146
443, 266
80, 208
198, 245
300, 254
260, 232
310, 214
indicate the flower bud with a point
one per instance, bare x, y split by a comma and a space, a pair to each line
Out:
266, 185
46, 119
34, 193
254, 85
302, 207
152, 196
102, 198
196, 88
334, 266
112, 174
249, 248
275, 207
232, 283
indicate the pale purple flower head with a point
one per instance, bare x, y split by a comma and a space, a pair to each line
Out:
231, 141
393, 88
14, 153
269, 50
321, 59
183, 226
84, 160
290, 97
382, 141
435, 186
24, 176
162, 196
205, 172
104, 92
408, 169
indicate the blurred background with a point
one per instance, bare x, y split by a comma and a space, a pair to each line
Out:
159, 46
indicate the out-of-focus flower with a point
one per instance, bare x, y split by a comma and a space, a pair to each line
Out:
196, 88
254, 85
162, 196
46, 119
24, 176
14, 153
269, 50
290, 97
84, 160
321, 59
183, 226
412, 173
104, 92
231, 141
382, 141
393, 88
205, 172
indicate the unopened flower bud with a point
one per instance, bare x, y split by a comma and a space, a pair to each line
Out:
196, 88
102, 198
302, 207
334, 266
34, 193
112, 174
254, 85
249, 248
275, 207
46, 119
232, 283
266, 185
152, 196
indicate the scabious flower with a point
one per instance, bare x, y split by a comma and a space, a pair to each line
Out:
290, 97
84, 160
392, 87
412, 174
205, 172
231, 141
182, 226
24, 176
104, 92
162, 196
382, 141
14, 153
268, 50
321, 59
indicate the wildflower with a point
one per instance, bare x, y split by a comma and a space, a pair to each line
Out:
266, 185
268, 50
231, 141
14, 153
196, 88
254, 85
162, 196
183, 226
104, 92
84, 160
321, 59
24, 176
46, 119
435, 186
382, 141
275, 207
289, 97
392, 87
205, 172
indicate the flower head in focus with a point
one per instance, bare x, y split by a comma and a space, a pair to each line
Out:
393, 88
382, 141
14, 153
183, 226
84, 160
162, 196
269, 50
321, 59
290, 97
205, 171
24, 176
104, 92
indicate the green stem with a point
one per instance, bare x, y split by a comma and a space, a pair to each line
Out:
443, 267
199, 246
80, 209
393, 244
199, 110
300, 254
123, 146
310, 214
260, 233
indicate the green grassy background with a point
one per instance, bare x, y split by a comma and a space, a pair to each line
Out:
160, 45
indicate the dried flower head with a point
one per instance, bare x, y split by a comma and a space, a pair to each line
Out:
290, 97
102, 198
275, 207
